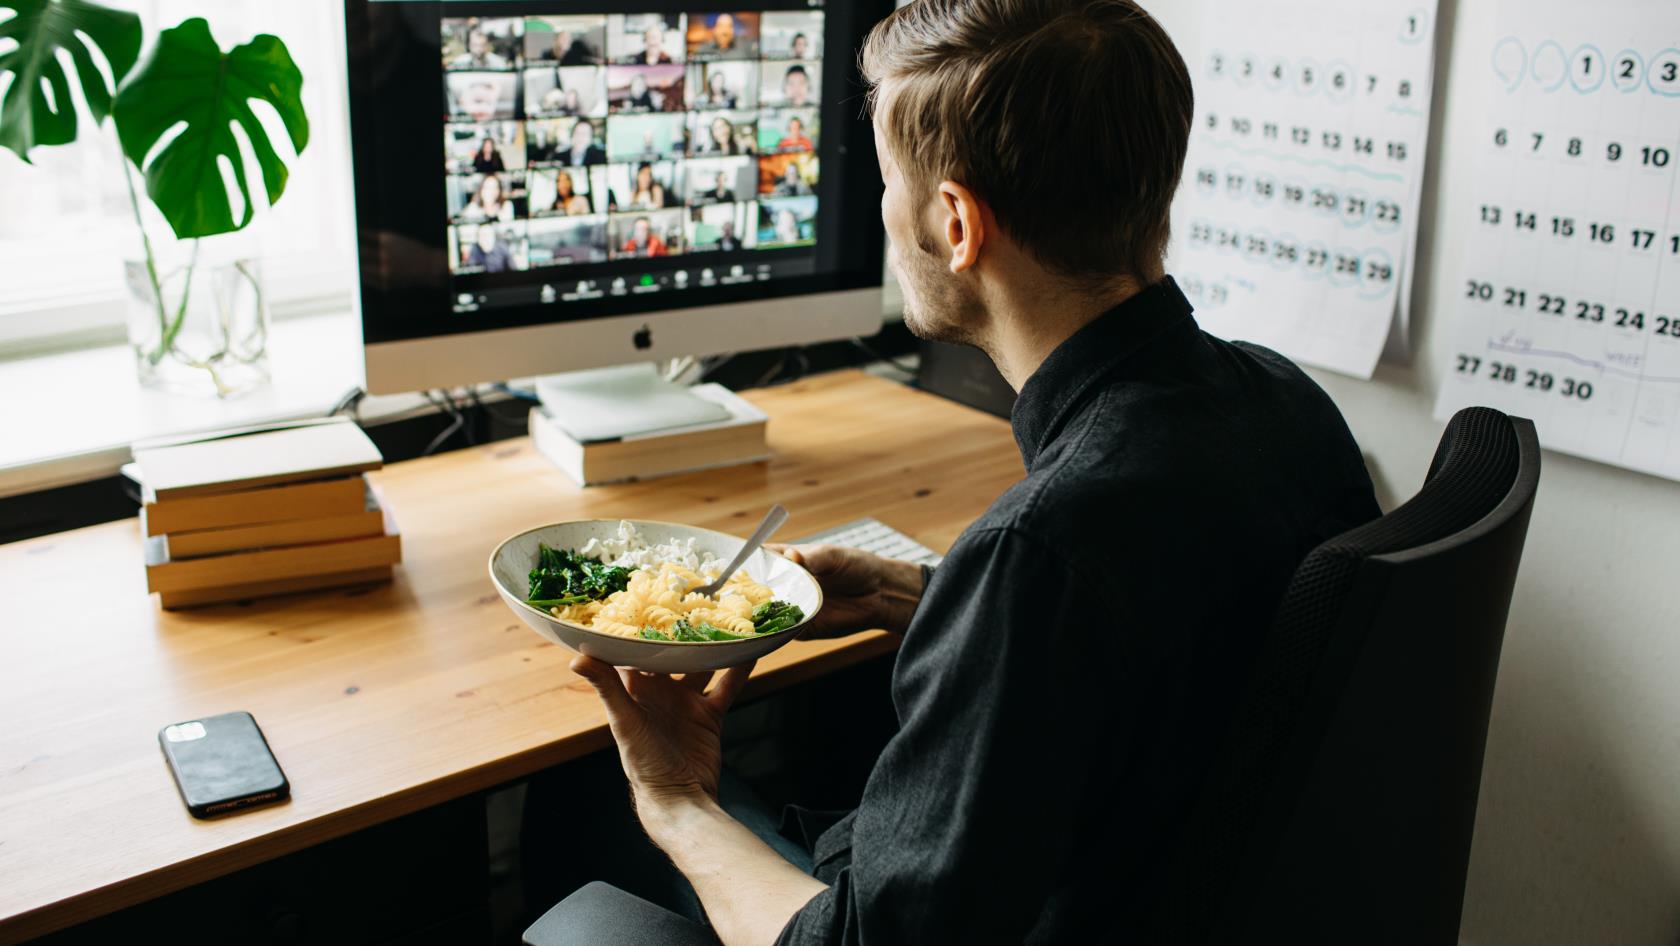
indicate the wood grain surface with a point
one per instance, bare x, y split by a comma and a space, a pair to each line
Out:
380, 702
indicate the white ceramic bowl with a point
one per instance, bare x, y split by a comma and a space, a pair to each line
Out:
512, 561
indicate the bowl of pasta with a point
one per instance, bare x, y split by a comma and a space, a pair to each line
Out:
622, 591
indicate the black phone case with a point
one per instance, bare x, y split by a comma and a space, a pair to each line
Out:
222, 764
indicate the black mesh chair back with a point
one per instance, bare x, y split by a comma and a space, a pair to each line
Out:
1341, 806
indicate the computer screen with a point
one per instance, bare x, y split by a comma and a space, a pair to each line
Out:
524, 164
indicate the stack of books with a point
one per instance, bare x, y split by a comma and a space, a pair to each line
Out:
741, 438
263, 511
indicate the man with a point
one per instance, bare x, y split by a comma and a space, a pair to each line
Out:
728, 242
488, 252
796, 86
795, 139
724, 42
801, 46
1064, 675
479, 55
643, 241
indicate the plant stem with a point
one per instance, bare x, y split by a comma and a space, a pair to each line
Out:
151, 262
174, 328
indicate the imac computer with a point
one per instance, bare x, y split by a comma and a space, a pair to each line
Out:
548, 186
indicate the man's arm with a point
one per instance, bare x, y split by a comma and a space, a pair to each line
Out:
667, 731
750, 892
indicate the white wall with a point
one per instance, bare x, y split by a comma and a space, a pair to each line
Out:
1578, 830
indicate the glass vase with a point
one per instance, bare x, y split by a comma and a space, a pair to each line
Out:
198, 326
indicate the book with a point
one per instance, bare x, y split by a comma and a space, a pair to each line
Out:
230, 461
317, 499
369, 521
740, 439
164, 574
221, 594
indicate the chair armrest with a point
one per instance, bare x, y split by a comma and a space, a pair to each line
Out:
600, 914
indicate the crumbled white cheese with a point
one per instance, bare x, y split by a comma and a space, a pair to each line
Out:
628, 549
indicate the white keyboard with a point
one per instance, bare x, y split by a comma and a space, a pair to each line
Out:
873, 535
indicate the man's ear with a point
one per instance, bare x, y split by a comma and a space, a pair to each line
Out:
962, 224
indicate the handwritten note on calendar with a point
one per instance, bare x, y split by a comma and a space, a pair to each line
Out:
1568, 308
1297, 220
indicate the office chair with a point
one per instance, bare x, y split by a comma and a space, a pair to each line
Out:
1341, 806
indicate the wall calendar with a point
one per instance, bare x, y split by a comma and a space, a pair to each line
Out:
1568, 302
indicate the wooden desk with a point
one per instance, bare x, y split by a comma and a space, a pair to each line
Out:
382, 702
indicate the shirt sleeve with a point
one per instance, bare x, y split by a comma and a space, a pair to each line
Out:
998, 687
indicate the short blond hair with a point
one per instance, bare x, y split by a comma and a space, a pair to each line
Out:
1069, 118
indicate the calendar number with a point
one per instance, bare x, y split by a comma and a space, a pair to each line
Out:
1653, 157
1479, 290
1581, 390
1668, 326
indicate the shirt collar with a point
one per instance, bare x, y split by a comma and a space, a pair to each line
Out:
1089, 355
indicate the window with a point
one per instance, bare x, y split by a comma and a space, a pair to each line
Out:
66, 227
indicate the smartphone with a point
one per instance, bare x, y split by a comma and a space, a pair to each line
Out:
222, 764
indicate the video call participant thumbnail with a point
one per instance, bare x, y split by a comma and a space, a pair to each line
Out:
645, 89
646, 39
566, 40
646, 235
480, 44
482, 96
488, 248
787, 221
565, 91
563, 241
792, 35
723, 84
722, 36
789, 84
723, 133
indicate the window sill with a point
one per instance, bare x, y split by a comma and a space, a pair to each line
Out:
92, 406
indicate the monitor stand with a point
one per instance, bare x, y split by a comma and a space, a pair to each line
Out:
623, 401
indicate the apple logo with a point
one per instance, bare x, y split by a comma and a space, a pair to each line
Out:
643, 338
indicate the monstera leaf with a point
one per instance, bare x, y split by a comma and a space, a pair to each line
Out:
188, 79
41, 28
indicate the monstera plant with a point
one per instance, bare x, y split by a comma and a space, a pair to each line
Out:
174, 114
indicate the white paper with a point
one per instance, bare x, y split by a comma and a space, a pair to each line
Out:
1568, 302
1297, 219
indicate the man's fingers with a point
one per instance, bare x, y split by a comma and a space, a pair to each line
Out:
786, 551
605, 679
729, 687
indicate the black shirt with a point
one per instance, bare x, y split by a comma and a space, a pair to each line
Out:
1080, 648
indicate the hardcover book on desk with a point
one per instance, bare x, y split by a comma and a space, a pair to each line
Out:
740, 439
262, 511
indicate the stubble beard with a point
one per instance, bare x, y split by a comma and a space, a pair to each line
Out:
936, 307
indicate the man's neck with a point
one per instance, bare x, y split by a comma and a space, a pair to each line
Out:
1029, 321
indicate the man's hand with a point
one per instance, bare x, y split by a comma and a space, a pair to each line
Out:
667, 728
667, 734
861, 590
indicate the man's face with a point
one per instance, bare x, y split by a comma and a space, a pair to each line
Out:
799, 47
641, 230
478, 44
797, 86
722, 182
937, 306
583, 135
486, 239
723, 31
655, 39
